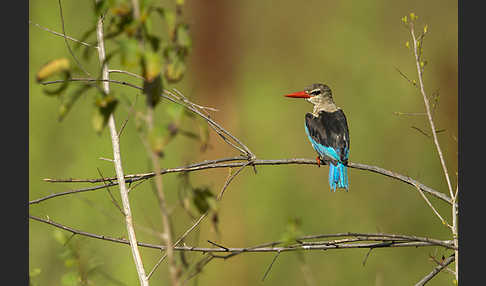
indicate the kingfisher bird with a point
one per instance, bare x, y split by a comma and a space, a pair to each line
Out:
328, 133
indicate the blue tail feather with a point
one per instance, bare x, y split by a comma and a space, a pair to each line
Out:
338, 176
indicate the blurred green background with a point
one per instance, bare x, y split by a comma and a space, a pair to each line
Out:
245, 56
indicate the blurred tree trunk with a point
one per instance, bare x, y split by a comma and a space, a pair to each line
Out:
215, 59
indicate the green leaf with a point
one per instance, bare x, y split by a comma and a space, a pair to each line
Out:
158, 138
152, 85
175, 70
292, 231
129, 52
58, 67
152, 65
120, 8
204, 199
100, 7
65, 107
53, 67
154, 41
203, 135
160, 11
147, 32
413, 17
70, 262
105, 106
170, 19
153, 90
183, 37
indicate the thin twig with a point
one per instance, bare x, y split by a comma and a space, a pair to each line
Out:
405, 77
218, 245
64, 36
436, 270
127, 72
215, 126
421, 131
432, 207
128, 116
367, 255
105, 80
194, 104
111, 195
200, 265
67, 44
71, 192
228, 181
440, 263
410, 113
178, 241
270, 266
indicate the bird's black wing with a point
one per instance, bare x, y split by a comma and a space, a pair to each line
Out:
330, 130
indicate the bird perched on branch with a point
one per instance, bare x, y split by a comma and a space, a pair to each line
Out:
328, 133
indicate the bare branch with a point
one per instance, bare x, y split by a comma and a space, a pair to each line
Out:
70, 192
427, 109
163, 208
366, 240
418, 58
118, 162
220, 163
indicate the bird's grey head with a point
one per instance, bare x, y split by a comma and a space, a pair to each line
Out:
320, 94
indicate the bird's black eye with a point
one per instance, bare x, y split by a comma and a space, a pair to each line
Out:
315, 92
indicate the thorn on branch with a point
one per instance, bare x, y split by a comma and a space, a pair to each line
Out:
69, 239
421, 131
412, 82
366, 257
425, 133
270, 266
220, 246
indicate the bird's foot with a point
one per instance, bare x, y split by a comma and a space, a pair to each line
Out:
319, 162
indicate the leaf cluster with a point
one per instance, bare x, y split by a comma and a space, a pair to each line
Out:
141, 46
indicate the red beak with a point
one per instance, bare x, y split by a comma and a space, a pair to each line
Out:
299, 94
